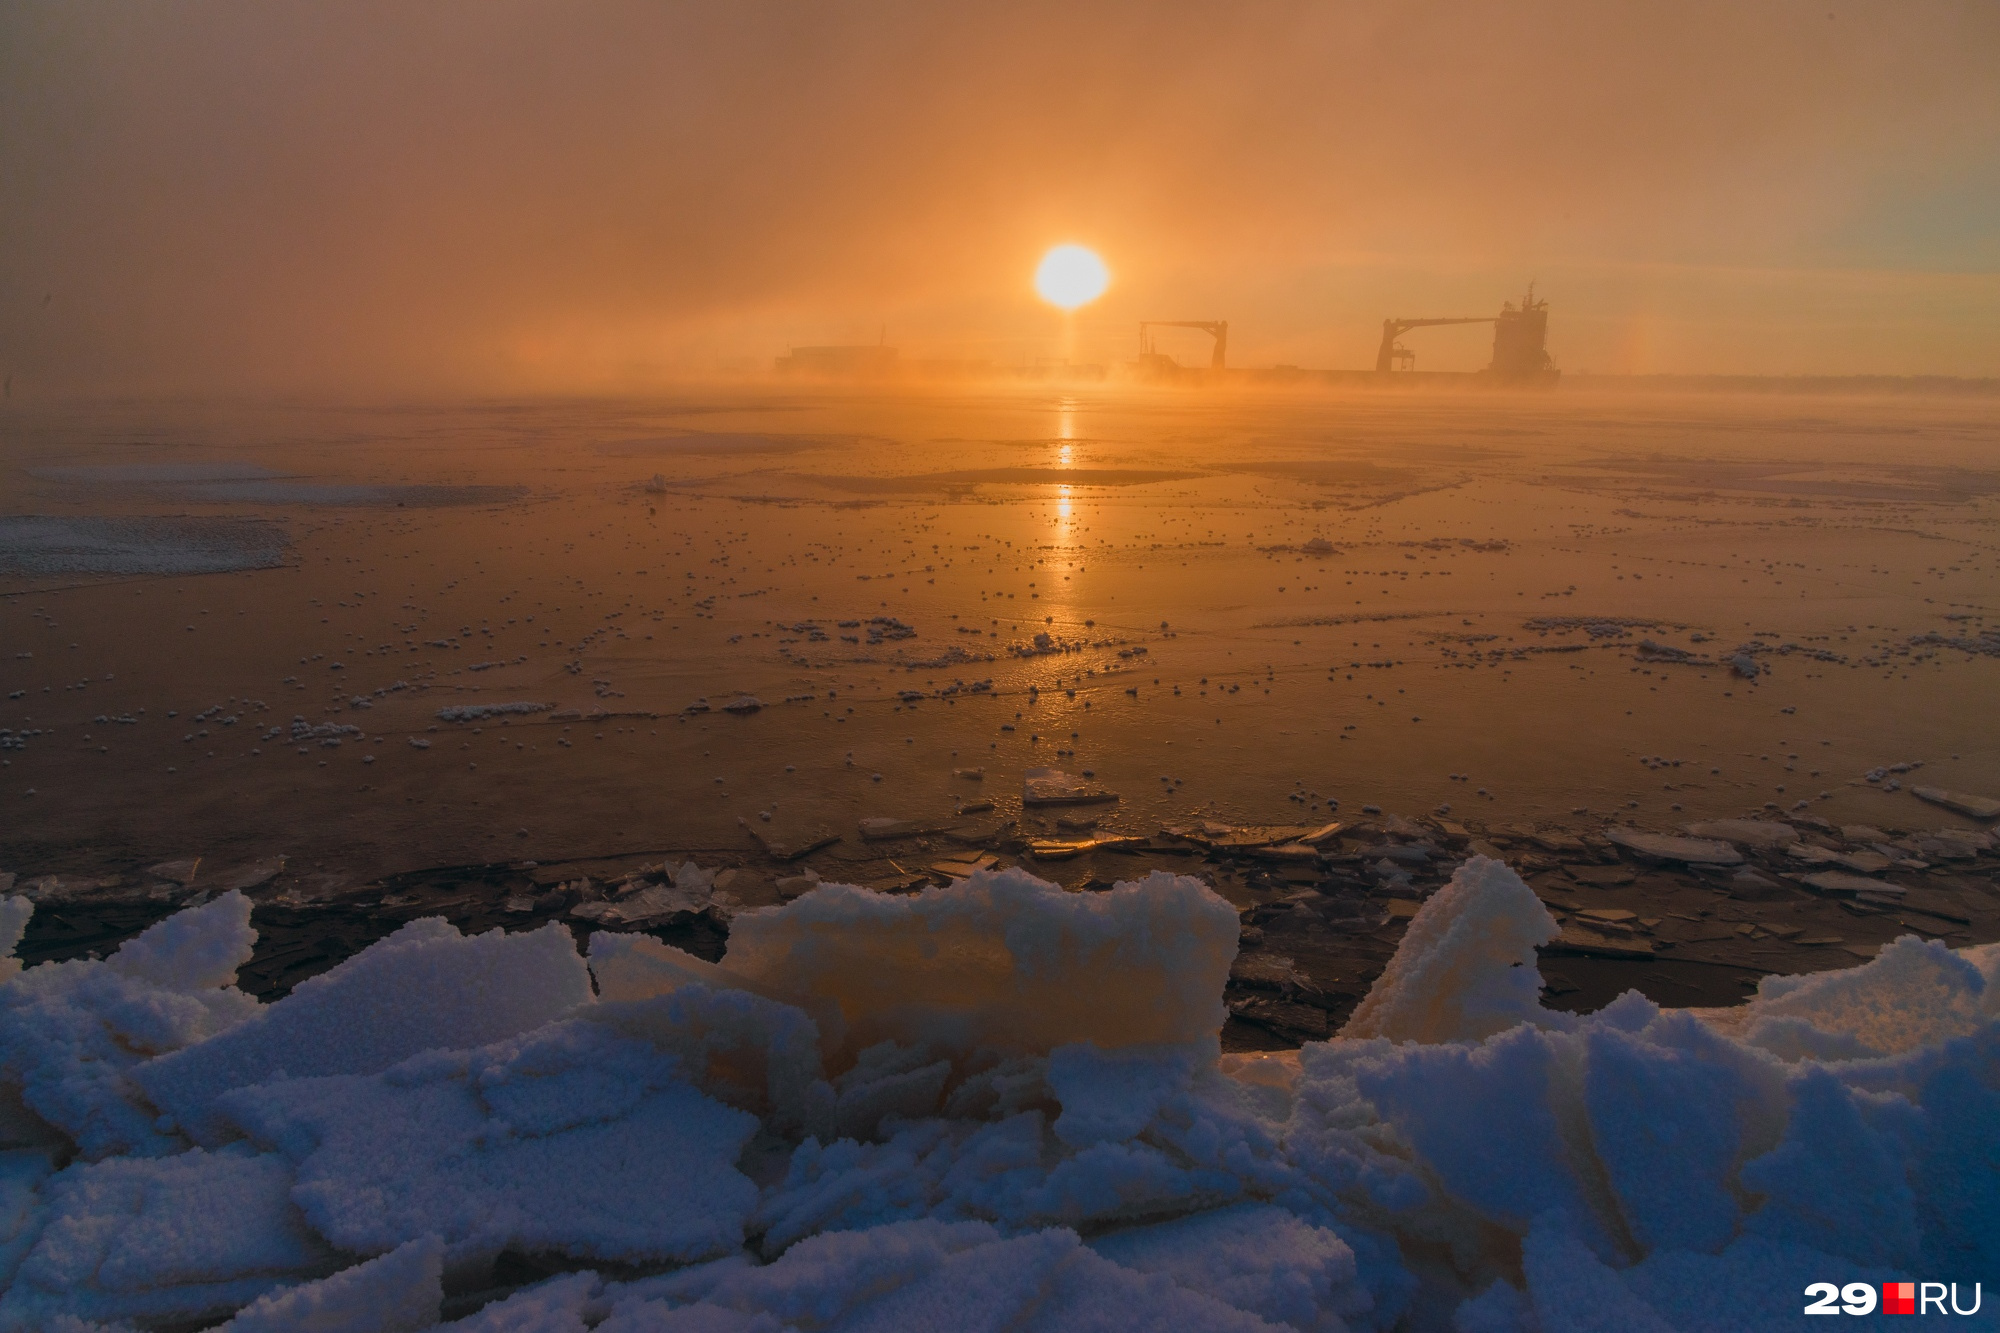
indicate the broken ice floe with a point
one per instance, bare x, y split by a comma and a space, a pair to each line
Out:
1666, 847
329, 734
1975, 807
654, 895
1649, 651
908, 1111
478, 712
1597, 627
1763, 835
1052, 786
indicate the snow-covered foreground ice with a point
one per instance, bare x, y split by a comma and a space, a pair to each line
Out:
994, 1106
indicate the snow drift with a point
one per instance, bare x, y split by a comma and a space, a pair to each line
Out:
998, 1105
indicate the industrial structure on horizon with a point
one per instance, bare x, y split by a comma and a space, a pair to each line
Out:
1520, 358
1520, 342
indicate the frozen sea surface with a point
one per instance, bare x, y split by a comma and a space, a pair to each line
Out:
349, 495
39, 546
154, 474
934, 1112
1248, 607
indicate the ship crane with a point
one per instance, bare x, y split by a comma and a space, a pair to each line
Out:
1216, 329
1393, 352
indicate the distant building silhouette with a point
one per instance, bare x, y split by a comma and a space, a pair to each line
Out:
859, 362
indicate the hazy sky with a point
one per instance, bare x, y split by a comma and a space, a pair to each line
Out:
492, 195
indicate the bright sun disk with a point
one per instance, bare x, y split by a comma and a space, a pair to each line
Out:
1070, 276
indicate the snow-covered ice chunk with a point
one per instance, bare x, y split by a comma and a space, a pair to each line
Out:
942, 1092
176, 1238
886, 1080
1489, 1123
398, 1292
1672, 1110
1016, 1173
751, 1052
571, 1140
558, 1305
424, 987
1001, 960
1049, 1283
22, 1171
1466, 966
1914, 993
638, 967
656, 1317
1110, 1096
1255, 1257
937, 1275
1837, 1183
1573, 1291
1754, 1284
1498, 1309
1958, 1205
72, 1033
15, 912
198, 949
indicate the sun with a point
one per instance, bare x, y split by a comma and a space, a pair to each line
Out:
1070, 276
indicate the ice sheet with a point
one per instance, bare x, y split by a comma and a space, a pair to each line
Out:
1477, 1161
1002, 961
931, 1275
523, 1144
73, 1033
1914, 993
555, 1306
399, 1292
185, 1237
1253, 1256
424, 987
36, 546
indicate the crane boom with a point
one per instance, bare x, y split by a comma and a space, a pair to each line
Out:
1215, 328
1393, 329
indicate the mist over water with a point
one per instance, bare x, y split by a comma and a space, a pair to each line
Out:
522, 197
1239, 607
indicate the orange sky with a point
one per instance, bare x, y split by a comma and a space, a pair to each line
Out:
497, 196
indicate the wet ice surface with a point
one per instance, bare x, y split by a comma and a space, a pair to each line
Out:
153, 474
249, 483
41, 546
998, 1104
1531, 613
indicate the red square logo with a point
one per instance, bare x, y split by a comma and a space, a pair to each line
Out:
1899, 1298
